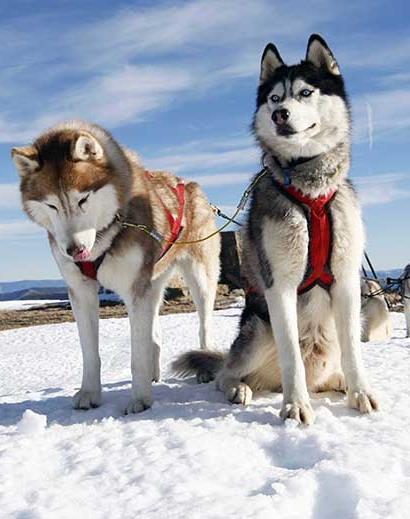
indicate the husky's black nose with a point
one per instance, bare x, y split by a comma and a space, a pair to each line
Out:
280, 117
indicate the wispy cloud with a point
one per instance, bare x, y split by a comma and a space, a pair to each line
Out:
205, 161
9, 196
129, 62
18, 229
370, 124
390, 114
376, 50
382, 189
222, 179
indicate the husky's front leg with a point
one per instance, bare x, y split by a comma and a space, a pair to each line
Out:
346, 305
282, 304
141, 312
85, 303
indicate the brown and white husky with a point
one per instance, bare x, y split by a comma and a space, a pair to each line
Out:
81, 186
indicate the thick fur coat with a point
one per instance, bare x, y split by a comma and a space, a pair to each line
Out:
376, 322
81, 186
289, 341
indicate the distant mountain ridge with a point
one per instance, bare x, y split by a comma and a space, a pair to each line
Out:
57, 288
33, 289
14, 286
33, 294
384, 274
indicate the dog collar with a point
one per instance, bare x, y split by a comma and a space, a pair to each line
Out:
287, 170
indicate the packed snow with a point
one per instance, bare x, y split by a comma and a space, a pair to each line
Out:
26, 304
192, 455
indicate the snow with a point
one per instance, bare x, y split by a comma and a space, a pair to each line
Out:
192, 455
25, 304
31, 423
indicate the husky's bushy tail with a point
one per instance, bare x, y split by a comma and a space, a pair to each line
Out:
204, 364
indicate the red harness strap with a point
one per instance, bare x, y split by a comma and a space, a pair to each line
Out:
90, 268
320, 236
174, 223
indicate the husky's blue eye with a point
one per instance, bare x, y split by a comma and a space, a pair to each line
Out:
306, 92
274, 99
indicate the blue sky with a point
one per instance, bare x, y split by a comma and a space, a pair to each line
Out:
176, 81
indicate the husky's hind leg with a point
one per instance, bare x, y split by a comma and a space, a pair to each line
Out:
336, 382
202, 278
142, 311
158, 287
244, 371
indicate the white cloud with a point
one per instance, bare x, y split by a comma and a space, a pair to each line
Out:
118, 68
124, 95
375, 50
369, 124
9, 196
390, 114
209, 158
222, 179
18, 229
382, 189
206, 160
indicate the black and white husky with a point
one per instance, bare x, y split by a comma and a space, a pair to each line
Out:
303, 245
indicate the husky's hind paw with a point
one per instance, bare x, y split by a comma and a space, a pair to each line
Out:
137, 405
301, 412
362, 400
86, 399
239, 394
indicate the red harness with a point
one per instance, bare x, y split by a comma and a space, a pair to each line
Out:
90, 268
320, 236
174, 223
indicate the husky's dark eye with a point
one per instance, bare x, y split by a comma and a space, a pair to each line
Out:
306, 92
51, 206
274, 99
83, 201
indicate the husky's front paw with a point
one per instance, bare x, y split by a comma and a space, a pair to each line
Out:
302, 412
137, 405
84, 399
239, 394
362, 400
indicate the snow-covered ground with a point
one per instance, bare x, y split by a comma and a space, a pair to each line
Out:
25, 304
192, 455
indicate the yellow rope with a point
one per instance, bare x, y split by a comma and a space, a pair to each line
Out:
158, 237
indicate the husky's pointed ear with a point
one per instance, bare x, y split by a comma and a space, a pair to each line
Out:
271, 60
86, 147
319, 54
26, 159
